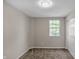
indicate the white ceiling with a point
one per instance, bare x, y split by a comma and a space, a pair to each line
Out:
61, 8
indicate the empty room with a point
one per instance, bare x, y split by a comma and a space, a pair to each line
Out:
39, 29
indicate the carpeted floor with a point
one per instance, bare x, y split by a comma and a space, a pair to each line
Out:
47, 54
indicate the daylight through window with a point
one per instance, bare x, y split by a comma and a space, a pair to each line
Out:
54, 27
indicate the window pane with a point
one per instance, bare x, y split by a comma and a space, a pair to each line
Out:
54, 28
54, 25
54, 22
57, 34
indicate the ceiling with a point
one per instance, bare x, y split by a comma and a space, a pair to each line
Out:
61, 8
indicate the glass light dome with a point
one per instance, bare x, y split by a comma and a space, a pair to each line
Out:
45, 3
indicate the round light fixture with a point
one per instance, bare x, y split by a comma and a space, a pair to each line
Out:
45, 3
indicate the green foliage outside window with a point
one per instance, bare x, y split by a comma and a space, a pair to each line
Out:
54, 28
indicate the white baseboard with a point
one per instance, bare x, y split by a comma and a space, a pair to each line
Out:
48, 47
71, 53
23, 53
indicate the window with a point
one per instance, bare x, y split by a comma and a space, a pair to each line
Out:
54, 27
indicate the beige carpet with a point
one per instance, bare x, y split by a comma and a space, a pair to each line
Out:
47, 54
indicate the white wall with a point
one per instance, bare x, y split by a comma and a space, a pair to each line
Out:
40, 33
31, 32
70, 37
16, 29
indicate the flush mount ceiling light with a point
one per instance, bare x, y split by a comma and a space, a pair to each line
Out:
45, 3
